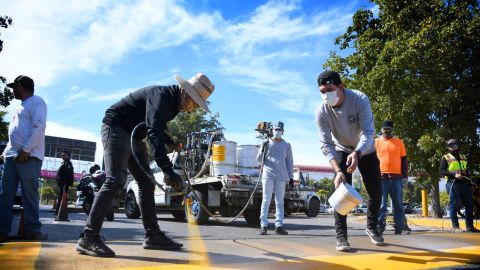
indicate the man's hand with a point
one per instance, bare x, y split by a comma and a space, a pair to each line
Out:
352, 162
172, 179
404, 181
339, 178
22, 156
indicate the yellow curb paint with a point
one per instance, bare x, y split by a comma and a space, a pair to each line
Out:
197, 244
19, 255
445, 224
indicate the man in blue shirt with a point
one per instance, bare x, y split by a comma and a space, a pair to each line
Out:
23, 159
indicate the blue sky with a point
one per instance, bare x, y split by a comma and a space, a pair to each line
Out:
262, 56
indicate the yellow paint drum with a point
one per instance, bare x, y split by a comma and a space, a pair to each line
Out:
224, 158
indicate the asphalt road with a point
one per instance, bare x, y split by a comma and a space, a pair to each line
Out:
309, 245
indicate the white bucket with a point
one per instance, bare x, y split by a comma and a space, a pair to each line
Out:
247, 160
224, 152
222, 169
344, 199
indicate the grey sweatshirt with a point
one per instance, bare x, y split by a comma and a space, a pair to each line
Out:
278, 164
351, 125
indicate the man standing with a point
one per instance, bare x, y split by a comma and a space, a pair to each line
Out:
64, 177
393, 166
346, 114
277, 169
23, 159
454, 167
154, 105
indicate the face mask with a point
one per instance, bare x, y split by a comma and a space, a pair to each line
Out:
277, 134
453, 148
387, 133
331, 98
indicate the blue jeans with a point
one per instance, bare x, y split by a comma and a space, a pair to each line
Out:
394, 188
463, 191
269, 186
27, 174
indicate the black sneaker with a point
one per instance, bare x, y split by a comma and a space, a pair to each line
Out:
160, 241
401, 232
381, 229
375, 237
474, 230
342, 244
280, 230
93, 245
263, 230
4, 238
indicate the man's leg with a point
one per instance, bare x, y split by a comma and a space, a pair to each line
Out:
145, 188
267, 190
29, 176
279, 188
7, 195
341, 220
397, 195
384, 205
453, 194
59, 197
369, 167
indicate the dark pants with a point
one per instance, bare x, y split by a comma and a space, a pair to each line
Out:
460, 191
369, 167
60, 188
117, 155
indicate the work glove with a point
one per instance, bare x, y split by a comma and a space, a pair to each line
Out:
290, 183
172, 179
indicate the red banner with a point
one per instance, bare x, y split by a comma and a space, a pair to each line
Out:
52, 174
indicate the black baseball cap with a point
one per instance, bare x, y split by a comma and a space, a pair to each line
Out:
25, 81
329, 77
387, 124
452, 141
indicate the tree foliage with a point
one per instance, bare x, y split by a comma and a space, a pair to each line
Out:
186, 123
6, 95
419, 63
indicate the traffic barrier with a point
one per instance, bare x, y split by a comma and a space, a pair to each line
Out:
62, 211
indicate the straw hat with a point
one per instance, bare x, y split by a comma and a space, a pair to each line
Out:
199, 88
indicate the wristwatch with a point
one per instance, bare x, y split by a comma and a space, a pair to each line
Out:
359, 154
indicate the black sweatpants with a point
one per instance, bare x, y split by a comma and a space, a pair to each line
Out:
369, 167
60, 188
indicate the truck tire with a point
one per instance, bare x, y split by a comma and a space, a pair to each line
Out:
179, 215
313, 207
131, 207
195, 213
252, 216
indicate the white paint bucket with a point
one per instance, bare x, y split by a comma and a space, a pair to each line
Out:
223, 169
247, 160
224, 152
344, 199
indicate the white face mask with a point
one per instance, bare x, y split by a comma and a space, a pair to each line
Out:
277, 134
331, 98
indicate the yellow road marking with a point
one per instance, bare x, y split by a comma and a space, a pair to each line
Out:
19, 255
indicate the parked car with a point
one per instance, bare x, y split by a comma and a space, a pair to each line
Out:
323, 208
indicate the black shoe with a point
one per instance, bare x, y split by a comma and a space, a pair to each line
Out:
263, 230
342, 244
381, 229
401, 232
38, 236
93, 245
4, 238
375, 237
406, 228
280, 230
160, 241
474, 230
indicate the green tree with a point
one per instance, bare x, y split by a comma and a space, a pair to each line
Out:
419, 63
6, 94
186, 123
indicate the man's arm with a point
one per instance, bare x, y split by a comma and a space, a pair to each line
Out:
443, 169
157, 107
289, 162
325, 135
